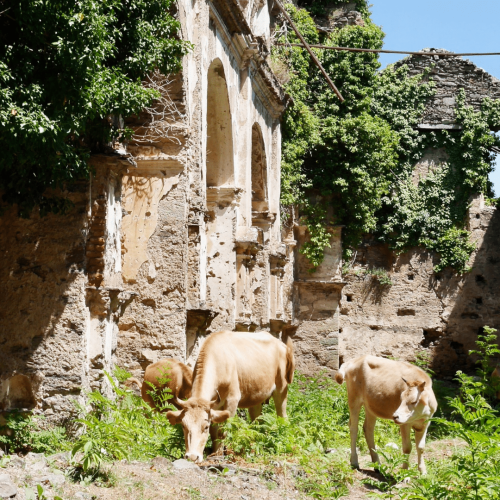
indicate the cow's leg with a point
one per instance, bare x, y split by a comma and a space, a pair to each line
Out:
280, 399
369, 430
230, 405
216, 436
255, 412
406, 438
420, 434
354, 409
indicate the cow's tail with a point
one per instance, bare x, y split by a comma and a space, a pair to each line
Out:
340, 375
290, 361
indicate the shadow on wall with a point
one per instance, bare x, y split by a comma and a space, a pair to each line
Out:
477, 301
41, 326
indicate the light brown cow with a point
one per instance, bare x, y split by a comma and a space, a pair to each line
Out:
180, 380
495, 379
388, 389
233, 370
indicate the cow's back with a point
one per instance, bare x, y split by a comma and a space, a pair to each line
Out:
379, 382
167, 373
255, 361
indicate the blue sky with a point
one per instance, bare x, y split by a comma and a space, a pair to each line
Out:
455, 25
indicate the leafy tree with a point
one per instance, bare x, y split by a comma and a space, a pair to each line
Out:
68, 68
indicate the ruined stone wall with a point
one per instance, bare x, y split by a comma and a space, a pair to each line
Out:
440, 314
450, 74
437, 314
175, 236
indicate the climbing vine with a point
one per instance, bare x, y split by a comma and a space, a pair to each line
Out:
359, 155
68, 69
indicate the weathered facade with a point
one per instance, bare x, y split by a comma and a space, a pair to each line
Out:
439, 314
176, 235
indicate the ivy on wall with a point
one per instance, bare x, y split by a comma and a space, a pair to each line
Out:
359, 155
66, 67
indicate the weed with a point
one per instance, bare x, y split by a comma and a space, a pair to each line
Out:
38, 494
392, 472
423, 361
22, 432
123, 427
473, 472
380, 275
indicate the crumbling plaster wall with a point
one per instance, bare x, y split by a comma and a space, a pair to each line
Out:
122, 279
187, 283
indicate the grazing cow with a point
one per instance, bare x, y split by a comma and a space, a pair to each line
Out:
179, 382
233, 370
133, 384
495, 379
388, 389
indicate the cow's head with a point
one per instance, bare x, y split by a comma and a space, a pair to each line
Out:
196, 415
414, 403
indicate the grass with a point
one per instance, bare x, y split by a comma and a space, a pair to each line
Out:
312, 445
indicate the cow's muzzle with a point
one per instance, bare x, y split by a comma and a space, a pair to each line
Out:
193, 457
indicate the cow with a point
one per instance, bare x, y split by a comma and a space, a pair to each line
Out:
179, 382
233, 370
393, 390
495, 380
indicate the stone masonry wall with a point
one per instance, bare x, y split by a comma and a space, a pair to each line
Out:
440, 314
450, 74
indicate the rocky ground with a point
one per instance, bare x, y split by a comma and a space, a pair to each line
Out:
162, 479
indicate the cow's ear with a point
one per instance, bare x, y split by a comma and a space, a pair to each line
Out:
174, 417
421, 386
219, 416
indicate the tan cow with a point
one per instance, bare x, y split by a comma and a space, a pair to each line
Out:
180, 380
495, 379
233, 370
388, 389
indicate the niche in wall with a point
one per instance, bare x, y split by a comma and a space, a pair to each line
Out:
259, 172
220, 163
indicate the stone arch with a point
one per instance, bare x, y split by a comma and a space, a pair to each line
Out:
220, 158
259, 171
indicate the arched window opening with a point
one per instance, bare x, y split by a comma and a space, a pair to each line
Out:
259, 172
220, 170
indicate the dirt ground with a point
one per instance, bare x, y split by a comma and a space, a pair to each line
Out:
161, 479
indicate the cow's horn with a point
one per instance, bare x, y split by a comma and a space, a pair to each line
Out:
215, 401
179, 402
404, 380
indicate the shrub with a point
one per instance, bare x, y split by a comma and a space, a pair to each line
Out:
124, 427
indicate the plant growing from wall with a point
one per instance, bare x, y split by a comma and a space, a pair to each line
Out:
68, 70
359, 155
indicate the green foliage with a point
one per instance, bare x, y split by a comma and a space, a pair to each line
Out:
474, 471
380, 275
318, 7
318, 416
22, 433
359, 155
66, 70
39, 494
390, 468
123, 426
487, 350
319, 236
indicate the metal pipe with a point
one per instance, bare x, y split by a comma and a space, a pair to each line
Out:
311, 53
